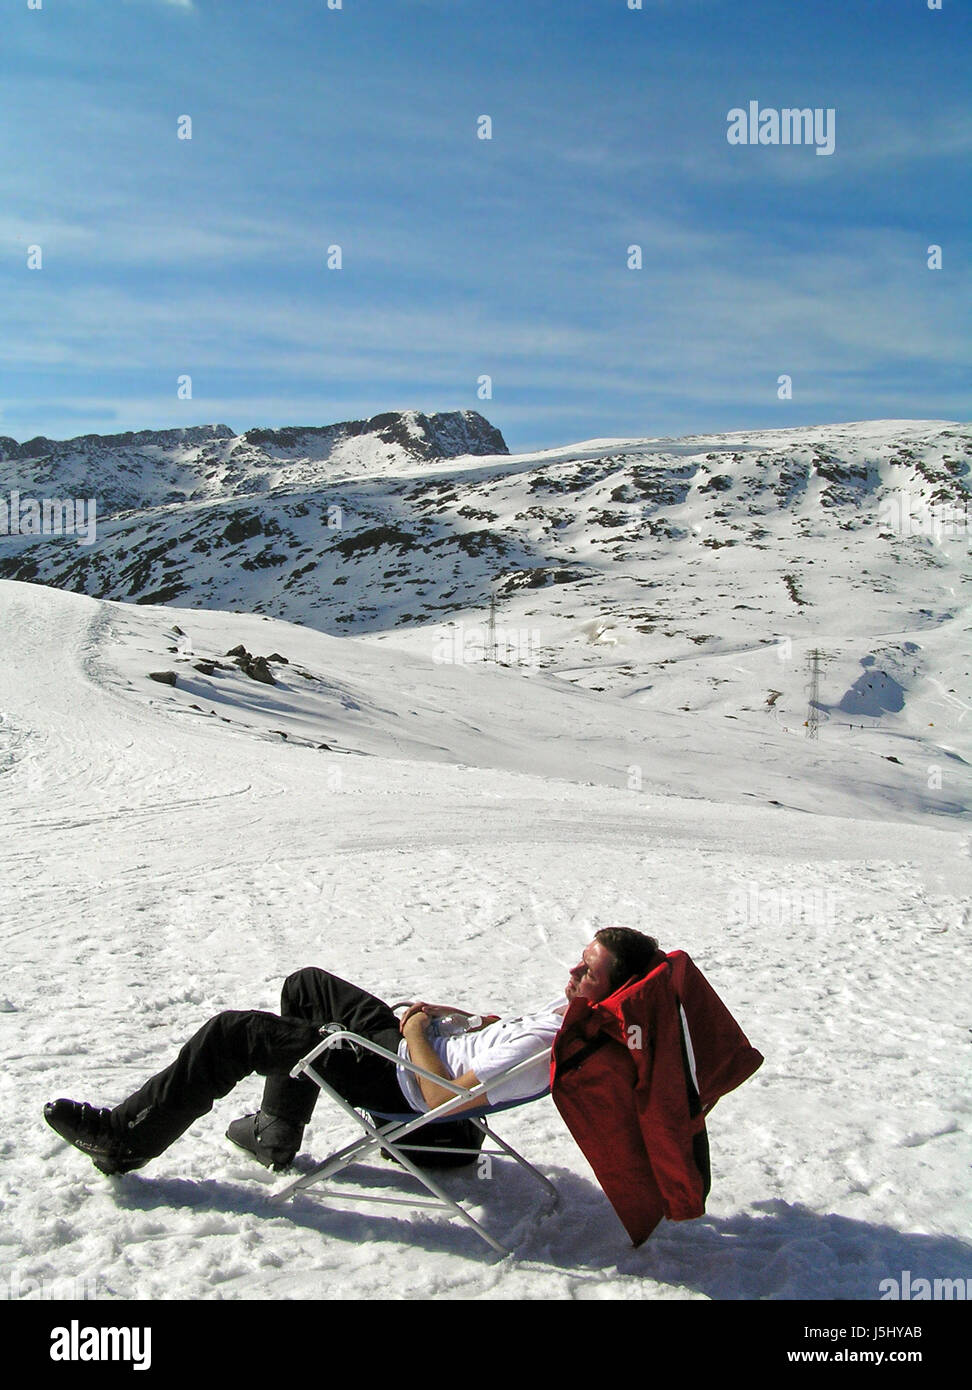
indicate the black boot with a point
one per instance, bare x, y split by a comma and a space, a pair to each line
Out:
90, 1130
273, 1142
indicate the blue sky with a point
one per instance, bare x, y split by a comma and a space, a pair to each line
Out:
465, 258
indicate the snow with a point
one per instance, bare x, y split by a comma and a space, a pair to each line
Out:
461, 837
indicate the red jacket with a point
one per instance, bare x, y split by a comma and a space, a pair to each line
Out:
633, 1078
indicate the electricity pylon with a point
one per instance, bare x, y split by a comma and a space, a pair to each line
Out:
815, 657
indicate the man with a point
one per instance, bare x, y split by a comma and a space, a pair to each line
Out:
234, 1044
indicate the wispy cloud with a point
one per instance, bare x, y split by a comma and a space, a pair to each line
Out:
464, 257
166, 4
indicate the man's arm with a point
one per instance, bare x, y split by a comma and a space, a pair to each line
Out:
423, 1054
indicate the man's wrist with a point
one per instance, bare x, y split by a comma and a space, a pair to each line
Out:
416, 1023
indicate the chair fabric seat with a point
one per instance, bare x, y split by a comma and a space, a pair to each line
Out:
483, 1111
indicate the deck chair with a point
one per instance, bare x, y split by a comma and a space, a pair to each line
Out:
393, 1129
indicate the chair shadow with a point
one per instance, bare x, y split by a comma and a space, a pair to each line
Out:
494, 1205
776, 1251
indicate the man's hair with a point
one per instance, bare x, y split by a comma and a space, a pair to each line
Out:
633, 952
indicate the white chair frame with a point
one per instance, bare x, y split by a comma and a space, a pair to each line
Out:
390, 1136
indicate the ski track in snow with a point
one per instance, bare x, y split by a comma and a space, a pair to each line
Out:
155, 871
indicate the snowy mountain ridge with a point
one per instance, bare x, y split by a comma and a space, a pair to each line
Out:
143, 469
323, 513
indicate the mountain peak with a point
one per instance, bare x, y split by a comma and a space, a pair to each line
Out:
447, 434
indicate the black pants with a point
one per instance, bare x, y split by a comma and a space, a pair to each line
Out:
234, 1044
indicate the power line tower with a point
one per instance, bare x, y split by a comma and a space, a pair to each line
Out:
815, 659
491, 629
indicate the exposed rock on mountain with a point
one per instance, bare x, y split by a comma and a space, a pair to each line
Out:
145, 469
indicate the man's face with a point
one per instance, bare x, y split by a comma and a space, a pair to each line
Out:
591, 976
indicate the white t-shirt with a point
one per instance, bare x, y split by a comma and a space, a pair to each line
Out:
492, 1051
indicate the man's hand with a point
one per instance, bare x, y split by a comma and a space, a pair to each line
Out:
416, 1021
434, 1011
431, 1011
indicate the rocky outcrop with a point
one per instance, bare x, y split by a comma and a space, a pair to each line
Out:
255, 667
449, 434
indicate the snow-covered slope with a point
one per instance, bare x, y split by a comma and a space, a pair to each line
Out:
462, 834
690, 577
